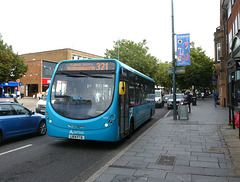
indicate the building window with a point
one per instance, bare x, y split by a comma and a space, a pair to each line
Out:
235, 27
229, 9
229, 41
239, 20
78, 57
48, 69
237, 75
218, 51
233, 2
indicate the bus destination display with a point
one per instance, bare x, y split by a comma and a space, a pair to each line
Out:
90, 66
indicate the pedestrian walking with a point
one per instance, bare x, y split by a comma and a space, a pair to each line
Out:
39, 95
215, 98
189, 100
18, 94
202, 95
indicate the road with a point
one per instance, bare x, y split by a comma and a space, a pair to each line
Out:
43, 158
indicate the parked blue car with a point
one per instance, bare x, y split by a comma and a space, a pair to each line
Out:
16, 120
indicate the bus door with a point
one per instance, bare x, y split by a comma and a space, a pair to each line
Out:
124, 111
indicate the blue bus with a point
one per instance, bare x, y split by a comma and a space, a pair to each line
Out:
98, 99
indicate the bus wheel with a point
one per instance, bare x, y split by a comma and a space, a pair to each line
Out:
150, 115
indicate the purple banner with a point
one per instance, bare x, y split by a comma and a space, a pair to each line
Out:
183, 49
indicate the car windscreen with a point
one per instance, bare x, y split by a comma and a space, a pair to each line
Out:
178, 96
158, 94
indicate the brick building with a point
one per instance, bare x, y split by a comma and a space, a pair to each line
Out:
41, 66
227, 53
220, 62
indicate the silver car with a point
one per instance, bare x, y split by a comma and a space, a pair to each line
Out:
179, 99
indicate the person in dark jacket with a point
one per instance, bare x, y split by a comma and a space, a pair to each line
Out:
189, 100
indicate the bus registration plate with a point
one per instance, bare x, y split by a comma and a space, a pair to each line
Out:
79, 137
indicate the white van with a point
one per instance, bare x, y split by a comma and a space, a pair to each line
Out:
158, 99
41, 104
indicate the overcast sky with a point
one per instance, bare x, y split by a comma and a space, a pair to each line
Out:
92, 25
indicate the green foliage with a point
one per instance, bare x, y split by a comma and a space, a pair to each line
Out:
199, 73
134, 55
12, 65
164, 79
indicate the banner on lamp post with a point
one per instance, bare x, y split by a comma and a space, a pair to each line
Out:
183, 49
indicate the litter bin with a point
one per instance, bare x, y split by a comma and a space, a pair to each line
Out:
183, 112
194, 101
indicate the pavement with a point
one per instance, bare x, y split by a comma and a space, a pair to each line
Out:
29, 102
203, 148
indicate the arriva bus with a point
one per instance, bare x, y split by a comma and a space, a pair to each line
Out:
102, 100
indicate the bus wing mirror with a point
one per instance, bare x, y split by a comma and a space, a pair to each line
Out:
122, 88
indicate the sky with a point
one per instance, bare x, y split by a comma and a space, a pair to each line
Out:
92, 26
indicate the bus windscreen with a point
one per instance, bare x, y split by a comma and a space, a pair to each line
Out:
82, 94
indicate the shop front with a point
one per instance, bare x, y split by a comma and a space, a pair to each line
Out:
233, 67
8, 89
45, 84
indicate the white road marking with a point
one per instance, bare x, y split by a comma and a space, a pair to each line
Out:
166, 115
13, 150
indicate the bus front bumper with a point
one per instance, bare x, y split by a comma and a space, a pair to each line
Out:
109, 134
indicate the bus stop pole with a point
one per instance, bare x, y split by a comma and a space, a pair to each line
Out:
174, 68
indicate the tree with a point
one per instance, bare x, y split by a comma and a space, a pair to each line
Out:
163, 78
199, 73
12, 65
134, 55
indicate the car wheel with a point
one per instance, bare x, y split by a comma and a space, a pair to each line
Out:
162, 104
42, 129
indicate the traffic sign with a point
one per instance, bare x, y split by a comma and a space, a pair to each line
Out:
180, 70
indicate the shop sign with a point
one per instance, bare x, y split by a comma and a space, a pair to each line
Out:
46, 81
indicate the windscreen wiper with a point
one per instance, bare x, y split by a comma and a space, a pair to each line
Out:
72, 73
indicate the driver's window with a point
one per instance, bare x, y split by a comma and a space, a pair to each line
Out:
20, 110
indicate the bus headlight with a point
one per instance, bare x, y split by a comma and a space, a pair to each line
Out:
50, 121
106, 125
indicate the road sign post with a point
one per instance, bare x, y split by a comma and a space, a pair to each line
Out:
174, 68
180, 70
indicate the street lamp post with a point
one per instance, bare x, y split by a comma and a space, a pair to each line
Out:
118, 49
174, 68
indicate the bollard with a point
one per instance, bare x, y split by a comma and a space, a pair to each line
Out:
229, 114
233, 118
239, 125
